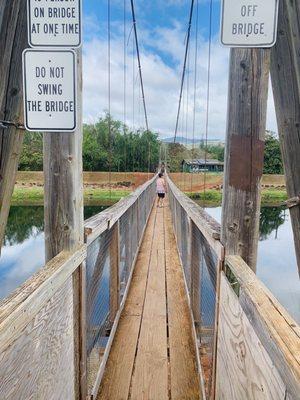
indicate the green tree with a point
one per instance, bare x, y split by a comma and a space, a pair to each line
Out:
123, 150
272, 160
32, 154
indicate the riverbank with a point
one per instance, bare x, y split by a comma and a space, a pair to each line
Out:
34, 196
100, 188
270, 197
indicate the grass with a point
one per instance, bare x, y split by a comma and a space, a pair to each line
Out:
35, 196
214, 197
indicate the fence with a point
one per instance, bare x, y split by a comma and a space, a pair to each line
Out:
249, 347
202, 255
42, 354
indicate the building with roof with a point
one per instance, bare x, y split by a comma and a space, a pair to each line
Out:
202, 165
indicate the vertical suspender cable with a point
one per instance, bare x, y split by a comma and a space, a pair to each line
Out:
184, 67
125, 87
109, 93
208, 91
187, 112
195, 82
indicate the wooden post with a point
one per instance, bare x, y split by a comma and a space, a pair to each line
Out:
247, 105
285, 72
64, 219
114, 285
13, 34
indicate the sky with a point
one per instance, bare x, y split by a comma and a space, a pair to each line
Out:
162, 29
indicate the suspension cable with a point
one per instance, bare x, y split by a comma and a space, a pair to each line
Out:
208, 91
184, 67
139, 63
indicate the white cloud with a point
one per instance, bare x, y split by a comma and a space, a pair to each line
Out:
162, 53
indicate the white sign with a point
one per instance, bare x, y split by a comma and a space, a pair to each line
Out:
249, 23
49, 80
54, 23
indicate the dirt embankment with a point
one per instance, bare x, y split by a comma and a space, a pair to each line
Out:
212, 181
97, 180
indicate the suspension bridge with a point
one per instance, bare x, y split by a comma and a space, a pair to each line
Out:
146, 302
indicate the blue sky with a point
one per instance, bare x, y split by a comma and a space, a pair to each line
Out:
162, 26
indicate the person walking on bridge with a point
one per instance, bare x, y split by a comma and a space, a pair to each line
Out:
161, 189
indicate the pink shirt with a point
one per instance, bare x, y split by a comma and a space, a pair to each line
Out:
160, 185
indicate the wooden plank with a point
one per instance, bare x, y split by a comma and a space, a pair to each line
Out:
13, 33
277, 331
150, 376
244, 368
39, 364
104, 360
117, 376
247, 107
184, 376
114, 282
285, 72
15, 317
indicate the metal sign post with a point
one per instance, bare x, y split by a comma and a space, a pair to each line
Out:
249, 23
50, 81
54, 23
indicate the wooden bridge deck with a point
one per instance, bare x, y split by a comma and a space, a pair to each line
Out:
153, 356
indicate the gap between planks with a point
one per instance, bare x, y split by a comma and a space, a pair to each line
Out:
153, 356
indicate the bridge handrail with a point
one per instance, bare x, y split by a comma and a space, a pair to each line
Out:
97, 224
251, 336
209, 227
275, 329
40, 321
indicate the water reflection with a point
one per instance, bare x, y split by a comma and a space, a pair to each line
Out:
23, 252
276, 265
271, 218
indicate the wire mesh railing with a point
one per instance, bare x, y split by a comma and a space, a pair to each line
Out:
201, 255
113, 239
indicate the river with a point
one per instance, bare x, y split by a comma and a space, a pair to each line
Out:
23, 251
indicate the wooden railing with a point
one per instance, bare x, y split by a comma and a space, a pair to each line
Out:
249, 346
39, 346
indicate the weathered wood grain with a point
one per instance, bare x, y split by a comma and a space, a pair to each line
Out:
244, 368
13, 34
285, 72
118, 373
278, 333
244, 155
64, 228
184, 376
39, 364
21, 307
150, 376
